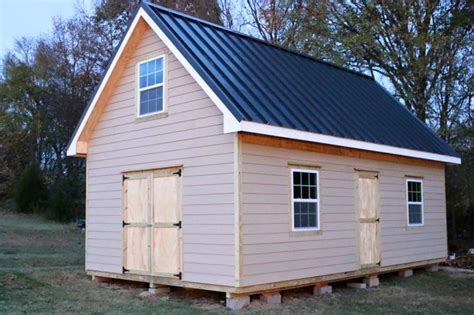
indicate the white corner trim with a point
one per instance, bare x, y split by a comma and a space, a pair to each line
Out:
282, 132
230, 122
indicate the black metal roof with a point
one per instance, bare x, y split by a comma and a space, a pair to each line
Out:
267, 84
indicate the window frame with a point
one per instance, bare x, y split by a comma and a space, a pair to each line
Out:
162, 84
415, 180
293, 200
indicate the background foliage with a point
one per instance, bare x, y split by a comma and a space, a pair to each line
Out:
421, 51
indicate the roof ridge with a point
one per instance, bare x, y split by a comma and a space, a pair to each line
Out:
289, 50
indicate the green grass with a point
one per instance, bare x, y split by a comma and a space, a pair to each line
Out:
42, 271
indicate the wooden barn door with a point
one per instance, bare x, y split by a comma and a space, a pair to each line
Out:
151, 224
166, 223
369, 243
136, 226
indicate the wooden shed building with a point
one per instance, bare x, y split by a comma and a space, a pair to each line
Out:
221, 162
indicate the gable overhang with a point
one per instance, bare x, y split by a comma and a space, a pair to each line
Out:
230, 122
78, 148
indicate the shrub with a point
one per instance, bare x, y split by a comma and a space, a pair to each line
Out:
30, 192
66, 199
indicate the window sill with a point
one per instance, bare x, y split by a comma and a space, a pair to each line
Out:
414, 227
306, 233
151, 117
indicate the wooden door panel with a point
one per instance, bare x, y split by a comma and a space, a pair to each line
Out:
136, 200
136, 248
368, 244
367, 198
166, 192
166, 250
166, 231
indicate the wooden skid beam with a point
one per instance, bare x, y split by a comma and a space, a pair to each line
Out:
268, 287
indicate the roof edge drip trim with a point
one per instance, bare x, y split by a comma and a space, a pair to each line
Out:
282, 132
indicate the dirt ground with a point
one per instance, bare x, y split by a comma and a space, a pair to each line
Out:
42, 271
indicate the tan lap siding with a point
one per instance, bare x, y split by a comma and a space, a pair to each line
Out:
271, 253
192, 136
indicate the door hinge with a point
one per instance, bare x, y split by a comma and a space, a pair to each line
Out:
124, 270
179, 275
179, 224
125, 223
377, 220
379, 263
178, 173
124, 178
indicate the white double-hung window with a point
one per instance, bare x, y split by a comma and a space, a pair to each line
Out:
151, 86
305, 199
415, 202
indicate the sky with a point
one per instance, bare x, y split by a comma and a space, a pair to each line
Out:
31, 18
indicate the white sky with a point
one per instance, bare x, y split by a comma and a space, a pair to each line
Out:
31, 18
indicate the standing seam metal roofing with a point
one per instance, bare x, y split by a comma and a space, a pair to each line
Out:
267, 84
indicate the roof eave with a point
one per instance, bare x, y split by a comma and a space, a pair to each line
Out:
294, 134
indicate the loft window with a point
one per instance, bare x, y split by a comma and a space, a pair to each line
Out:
415, 202
150, 86
305, 199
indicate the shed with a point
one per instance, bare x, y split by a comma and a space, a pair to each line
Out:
221, 162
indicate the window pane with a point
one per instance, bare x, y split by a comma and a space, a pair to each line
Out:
297, 208
305, 215
312, 179
296, 192
296, 178
414, 214
151, 66
159, 77
312, 207
143, 68
143, 82
305, 178
151, 79
312, 221
159, 64
305, 193
151, 101
297, 215
143, 107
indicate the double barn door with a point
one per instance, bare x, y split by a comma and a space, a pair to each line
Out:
151, 222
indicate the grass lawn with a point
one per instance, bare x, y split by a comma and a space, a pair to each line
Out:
42, 271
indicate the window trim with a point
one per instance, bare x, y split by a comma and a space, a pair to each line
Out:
293, 200
416, 180
162, 84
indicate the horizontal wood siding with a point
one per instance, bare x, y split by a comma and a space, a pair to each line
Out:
192, 136
270, 252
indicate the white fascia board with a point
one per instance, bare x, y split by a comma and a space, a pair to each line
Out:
362, 145
230, 122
